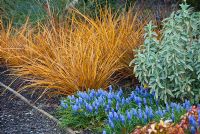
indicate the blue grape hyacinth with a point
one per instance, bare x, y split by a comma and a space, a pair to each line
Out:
139, 107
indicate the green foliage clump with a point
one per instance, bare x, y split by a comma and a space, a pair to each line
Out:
92, 7
19, 10
170, 64
38, 10
35, 10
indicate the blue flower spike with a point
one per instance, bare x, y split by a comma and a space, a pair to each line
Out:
193, 130
75, 108
192, 121
111, 124
110, 88
64, 104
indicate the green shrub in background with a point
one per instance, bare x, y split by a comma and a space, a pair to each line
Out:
36, 10
91, 7
171, 65
19, 10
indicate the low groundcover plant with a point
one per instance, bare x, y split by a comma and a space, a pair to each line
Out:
113, 111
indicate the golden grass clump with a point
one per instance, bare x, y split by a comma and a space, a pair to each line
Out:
86, 53
14, 45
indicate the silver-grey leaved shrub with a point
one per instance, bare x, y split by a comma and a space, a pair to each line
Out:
170, 64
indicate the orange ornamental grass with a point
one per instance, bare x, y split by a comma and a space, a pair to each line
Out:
12, 48
87, 53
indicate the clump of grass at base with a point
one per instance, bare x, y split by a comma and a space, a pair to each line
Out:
83, 54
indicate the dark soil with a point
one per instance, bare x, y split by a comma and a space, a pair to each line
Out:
16, 117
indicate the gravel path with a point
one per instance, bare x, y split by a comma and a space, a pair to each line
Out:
16, 117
